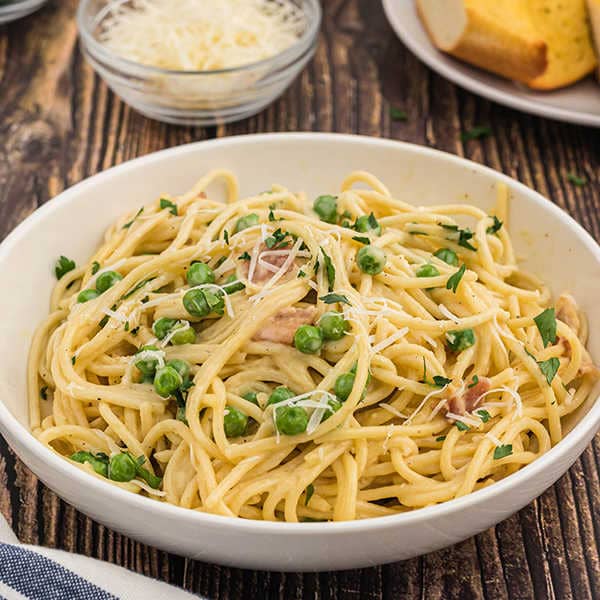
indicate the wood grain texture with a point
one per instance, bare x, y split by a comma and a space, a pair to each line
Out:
60, 124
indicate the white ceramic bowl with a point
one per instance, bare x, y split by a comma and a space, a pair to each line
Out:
554, 246
18, 9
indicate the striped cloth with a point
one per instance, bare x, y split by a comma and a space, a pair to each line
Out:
35, 573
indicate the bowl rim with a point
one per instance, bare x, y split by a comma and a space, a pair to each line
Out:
583, 430
20, 5
292, 53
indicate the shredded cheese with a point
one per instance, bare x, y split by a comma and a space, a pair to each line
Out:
115, 315
389, 341
493, 439
448, 314
201, 36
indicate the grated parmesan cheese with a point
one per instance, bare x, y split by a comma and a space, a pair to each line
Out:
201, 36
448, 314
391, 340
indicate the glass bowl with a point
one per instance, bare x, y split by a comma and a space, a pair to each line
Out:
21, 8
196, 97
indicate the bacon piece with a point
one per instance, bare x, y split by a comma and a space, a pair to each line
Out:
282, 326
262, 273
469, 399
568, 312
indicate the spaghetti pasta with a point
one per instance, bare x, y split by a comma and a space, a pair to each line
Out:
271, 358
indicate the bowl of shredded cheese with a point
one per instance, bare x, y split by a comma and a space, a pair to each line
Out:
198, 62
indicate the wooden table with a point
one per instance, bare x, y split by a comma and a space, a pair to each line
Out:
60, 124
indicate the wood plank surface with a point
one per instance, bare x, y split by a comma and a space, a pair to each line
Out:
60, 124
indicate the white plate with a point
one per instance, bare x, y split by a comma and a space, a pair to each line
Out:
73, 224
17, 10
579, 103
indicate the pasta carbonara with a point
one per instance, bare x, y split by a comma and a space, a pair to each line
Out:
283, 358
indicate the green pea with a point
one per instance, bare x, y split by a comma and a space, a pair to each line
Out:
367, 224
167, 380
308, 339
199, 274
195, 303
234, 422
448, 256
279, 395
99, 463
163, 326
215, 301
147, 366
371, 260
291, 420
343, 386
326, 208
185, 335
86, 296
106, 280
427, 271
122, 467
333, 325
181, 366
233, 285
460, 340
248, 221
334, 406
251, 397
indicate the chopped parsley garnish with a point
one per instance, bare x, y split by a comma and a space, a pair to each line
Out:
226, 236
461, 426
73, 359
138, 287
440, 381
63, 266
329, 269
126, 326
310, 490
245, 256
546, 324
476, 133
576, 179
397, 114
549, 368
484, 415
44, 393
334, 299
440, 439
272, 215
301, 274
454, 280
502, 451
474, 381
496, 227
373, 223
135, 330
95, 267
460, 340
277, 240
128, 225
464, 235
220, 262
164, 203
362, 240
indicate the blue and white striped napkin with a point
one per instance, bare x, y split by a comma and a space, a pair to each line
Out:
35, 573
